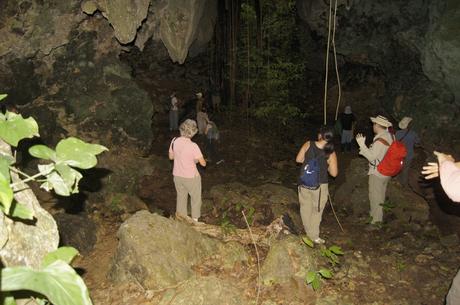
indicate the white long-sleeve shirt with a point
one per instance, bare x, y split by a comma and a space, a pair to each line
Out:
375, 153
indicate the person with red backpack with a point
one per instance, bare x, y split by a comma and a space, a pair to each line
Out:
378, 181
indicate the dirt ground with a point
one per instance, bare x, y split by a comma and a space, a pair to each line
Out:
393, 265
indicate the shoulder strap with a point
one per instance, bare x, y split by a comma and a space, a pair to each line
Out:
172, 143
383, 141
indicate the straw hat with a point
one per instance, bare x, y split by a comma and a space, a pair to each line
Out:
199, 95
347, 110
405, 122
382, 121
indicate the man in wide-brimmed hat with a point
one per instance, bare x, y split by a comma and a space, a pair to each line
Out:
374, 154
409, 138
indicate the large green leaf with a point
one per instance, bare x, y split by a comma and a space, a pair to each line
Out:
316, 284
4, 168
6, 195
78, 153
336, 250
16, 128
311, 275
326, 273
66, 254
54, 181
58, 282
42, 152
70, 176
2, 96
18, 210
308, 241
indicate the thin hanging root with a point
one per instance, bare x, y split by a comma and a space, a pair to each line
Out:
327, 64
335, 60
336, 65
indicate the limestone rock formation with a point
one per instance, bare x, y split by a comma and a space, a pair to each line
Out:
25, 243
158, 252
125, 16
286, 260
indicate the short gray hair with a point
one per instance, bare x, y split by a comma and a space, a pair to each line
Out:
188, 128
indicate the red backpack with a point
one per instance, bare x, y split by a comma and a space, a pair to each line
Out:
392, 162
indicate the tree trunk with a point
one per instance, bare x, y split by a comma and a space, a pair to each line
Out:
259, 24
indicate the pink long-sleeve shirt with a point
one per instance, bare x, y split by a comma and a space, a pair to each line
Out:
449, 174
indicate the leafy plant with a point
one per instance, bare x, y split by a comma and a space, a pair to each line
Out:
308, 241
387, 206
332, 254
249, 210
226, 225
314, 277
55, 280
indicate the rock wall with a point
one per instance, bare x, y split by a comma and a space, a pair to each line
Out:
413, 46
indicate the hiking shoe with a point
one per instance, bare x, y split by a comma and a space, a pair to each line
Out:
319, 241
220, 161
196, 222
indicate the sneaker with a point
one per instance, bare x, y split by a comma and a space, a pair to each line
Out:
319, 241
196, 222
220, 161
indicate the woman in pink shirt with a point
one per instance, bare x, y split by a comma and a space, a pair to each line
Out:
187, 179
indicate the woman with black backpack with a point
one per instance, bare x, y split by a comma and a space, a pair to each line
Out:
318, 160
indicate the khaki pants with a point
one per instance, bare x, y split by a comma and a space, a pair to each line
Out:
185, 187
311, 208
377, 190
453, 297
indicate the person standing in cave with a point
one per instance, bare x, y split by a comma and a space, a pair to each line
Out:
347, 122
202, 119
449, 173
174, 113
409, 138
187, 180
312, 201
374, 154
199, 102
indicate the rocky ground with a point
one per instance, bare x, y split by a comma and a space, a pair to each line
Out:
408, 260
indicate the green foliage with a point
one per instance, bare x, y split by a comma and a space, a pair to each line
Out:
308, 241
270, 74
248, 209
58, 282
13, 128
314, 277
226, 225
332, 254
387, 206
56, 279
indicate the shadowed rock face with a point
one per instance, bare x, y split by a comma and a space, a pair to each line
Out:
415, 45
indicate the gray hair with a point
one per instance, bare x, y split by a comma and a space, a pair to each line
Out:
188, 128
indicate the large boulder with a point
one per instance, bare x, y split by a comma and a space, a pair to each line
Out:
288, 259
25, 243
158, 252
265, 202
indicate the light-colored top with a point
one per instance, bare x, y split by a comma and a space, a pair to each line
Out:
409, 138
202, 120
449, 174
185, 154
174, 103
375, 153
